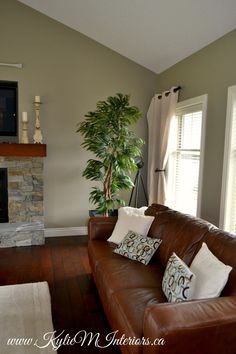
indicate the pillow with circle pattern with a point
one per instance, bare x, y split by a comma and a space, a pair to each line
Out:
137, 247
178, 280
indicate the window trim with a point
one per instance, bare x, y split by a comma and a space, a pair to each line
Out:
202, 100
231, 98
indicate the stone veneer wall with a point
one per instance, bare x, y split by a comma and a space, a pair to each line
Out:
25, 198
25, 202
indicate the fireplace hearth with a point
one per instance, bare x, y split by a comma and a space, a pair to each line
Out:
3, 196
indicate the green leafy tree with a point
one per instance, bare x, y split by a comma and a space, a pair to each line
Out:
107, 135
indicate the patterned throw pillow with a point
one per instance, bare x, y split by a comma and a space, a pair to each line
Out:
137, 247
178, 280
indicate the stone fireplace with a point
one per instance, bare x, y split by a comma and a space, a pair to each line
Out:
21, 185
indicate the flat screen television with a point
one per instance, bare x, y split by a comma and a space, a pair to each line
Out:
8, 111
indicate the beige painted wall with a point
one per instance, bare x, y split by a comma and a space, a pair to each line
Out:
71, 73
209, 71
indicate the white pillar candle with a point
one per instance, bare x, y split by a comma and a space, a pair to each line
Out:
24, 117
37, 99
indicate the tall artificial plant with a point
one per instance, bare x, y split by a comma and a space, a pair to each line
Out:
107, 135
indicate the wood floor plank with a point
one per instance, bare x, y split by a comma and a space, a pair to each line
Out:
63, 263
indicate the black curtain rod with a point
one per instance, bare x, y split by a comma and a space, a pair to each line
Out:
168, 92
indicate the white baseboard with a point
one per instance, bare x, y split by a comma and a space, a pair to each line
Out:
66, 231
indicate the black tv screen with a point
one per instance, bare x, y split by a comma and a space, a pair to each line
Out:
8, 109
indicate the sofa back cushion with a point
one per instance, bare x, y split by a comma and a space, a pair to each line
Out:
154, 209
180, 233
184, 234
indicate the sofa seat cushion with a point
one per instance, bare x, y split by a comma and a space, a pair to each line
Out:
127, 310
118, 273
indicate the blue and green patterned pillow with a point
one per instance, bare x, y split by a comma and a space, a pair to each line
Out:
178, 280
137, 247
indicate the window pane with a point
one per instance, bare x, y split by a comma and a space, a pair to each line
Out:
231, 204
186, 185
190, 134
184, 161
230, 219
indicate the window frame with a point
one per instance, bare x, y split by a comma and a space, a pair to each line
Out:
231, 98
199, 100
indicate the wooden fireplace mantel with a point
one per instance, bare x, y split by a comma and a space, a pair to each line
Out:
23, 150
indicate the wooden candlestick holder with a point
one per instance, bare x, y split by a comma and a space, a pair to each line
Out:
38, 138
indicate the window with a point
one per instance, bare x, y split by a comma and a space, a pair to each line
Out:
184, 168
228, 194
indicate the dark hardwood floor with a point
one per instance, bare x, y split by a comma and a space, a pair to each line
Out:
63, 263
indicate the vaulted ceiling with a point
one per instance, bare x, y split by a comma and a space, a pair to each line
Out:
154, 33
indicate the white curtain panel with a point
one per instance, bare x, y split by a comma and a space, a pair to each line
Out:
159, 116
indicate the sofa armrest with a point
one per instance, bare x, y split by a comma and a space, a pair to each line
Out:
100, 227
205, 326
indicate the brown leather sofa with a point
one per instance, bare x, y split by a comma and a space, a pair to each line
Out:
132, 297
